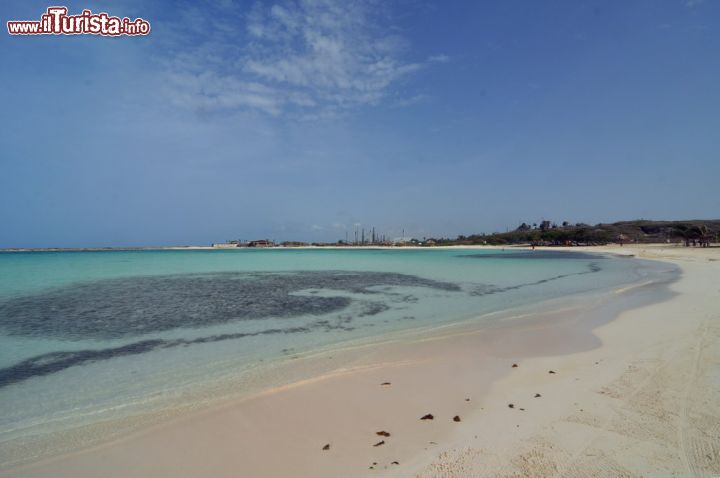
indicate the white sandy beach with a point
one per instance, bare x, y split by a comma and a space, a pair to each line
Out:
633, 396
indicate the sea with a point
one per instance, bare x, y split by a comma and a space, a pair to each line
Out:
97, 343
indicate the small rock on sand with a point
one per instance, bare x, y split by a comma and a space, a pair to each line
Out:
326, 447
382, 433
381, 442
551, 371
429, 416
510, 405
537, 395
514, 365
456, 418
385, 384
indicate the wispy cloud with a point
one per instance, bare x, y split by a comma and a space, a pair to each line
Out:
307, 58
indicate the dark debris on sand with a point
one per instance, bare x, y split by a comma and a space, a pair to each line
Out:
381, 442
382, 433
456, 418
429, 416
326, 447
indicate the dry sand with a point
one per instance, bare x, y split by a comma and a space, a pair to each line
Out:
634, 396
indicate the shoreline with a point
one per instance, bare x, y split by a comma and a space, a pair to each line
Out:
274, 248
267, 419
596, 248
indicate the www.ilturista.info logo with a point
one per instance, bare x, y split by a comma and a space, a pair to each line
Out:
56, 21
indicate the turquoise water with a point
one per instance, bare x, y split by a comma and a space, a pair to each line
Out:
87, 337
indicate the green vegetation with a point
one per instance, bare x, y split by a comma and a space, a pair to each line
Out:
640, 231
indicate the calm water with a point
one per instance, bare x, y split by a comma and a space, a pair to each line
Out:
92, 336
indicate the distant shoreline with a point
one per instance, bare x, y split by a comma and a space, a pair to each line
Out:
104, 249
547, 234
211, 248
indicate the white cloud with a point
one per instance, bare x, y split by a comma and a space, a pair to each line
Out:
208, 91
307, 58
326, 49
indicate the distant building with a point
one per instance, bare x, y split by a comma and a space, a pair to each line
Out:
403, 240
261, 243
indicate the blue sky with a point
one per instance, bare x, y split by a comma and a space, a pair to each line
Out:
301, 119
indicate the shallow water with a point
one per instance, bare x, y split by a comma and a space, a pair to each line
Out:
87, 337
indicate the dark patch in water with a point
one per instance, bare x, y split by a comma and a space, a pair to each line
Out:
534, 255
127, 307
373, 308
487, 289
55, 361
49, 363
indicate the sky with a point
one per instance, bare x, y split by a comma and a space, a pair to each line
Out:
306, 119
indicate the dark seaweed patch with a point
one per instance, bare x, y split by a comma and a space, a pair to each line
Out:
49, 363
134, 306
487, 289
534, 255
